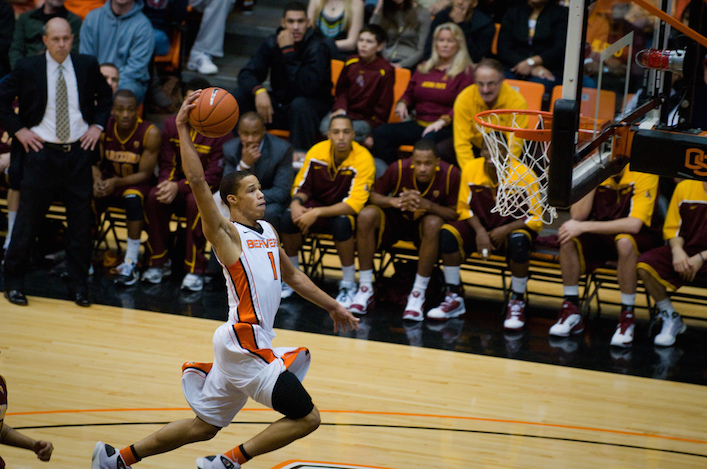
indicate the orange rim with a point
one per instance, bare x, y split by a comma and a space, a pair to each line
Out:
537, 135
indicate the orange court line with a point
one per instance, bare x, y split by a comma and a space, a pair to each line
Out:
399, 414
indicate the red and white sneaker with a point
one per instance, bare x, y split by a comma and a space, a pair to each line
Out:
569, 321
452, 307
515, 315
363, 299
413, 308
623, 337
216, 462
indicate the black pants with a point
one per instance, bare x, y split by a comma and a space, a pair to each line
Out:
50, 175
301, 117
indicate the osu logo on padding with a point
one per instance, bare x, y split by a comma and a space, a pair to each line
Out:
695, 160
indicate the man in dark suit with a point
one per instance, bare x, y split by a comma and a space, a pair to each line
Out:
64, 104
266, 156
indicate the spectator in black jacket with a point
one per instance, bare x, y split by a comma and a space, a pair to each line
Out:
7, 25
300, 78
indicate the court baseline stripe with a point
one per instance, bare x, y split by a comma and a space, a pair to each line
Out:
399, 414
399, 427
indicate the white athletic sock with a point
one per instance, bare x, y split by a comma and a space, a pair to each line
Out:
295, 261
571, 290
365, 278
348, 273
452, 274
11, 217
420, 283
627, 299
519, 284
665, 305
133, 251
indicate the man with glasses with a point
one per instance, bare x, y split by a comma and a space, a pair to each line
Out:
490, 91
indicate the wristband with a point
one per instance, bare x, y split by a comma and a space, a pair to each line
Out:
299, 199
260, 90
242, 166
702, 257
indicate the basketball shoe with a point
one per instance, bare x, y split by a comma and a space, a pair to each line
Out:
107, 457
672, 327
193, 282
623, 337
154, 275
569, 321
286, 291
347, 290
413, 308
216, 462
363, 300
452, 307
127, 274
515, 315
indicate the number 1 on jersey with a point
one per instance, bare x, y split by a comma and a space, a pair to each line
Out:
272, 262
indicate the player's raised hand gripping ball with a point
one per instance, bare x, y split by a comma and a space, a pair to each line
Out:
215, 114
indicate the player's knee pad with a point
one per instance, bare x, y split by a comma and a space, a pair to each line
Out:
341, 228
448, 243
133, 207
286, 223
519, 247
290, 398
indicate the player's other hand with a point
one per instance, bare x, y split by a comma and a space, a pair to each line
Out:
343, 319
43, 450
188, 104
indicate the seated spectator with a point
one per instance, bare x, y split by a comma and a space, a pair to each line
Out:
299, 67
29, 28
615, 222
7, 24
266, 156
478, 28
129, 151
338, 22
112, 75
329, 191
172, 194
411, 202
489, 92
532, 41
209, 39
479, 229
165, 15
430, 94
681, 261
120, 33
364, 91
11, 437
407, 25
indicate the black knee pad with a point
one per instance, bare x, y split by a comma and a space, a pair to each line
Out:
290, 398
448, 243
133, 207
519, 247
341, 228
286, 223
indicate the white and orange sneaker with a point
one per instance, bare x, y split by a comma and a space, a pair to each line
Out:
216, 462
107, 457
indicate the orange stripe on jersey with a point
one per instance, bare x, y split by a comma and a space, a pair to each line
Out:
247, 340
290, 357
245, 310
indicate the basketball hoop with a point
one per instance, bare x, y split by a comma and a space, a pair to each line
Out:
519, 142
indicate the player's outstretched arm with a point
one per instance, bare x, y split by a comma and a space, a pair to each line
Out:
219, 231
11, 437
343, 319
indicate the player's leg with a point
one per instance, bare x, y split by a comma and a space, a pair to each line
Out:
627, 276
429, 227
342, 228
291, 238
132, 200
518, 254
368, 225
157, 216
195, 260
454, 240
656, 271
569, 319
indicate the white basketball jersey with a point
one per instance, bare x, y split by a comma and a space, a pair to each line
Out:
254, 280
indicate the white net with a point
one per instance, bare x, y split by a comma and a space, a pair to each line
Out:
521, 166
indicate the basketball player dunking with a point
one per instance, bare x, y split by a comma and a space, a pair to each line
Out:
245, 363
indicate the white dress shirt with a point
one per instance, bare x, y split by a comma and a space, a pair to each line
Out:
47, 128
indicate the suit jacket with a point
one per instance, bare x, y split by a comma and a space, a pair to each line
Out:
28, 82
273, 168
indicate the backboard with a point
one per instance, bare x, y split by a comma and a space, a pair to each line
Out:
611, 110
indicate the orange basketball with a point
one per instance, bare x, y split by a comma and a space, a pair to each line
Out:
216, 113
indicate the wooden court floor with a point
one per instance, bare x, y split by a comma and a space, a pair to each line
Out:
78, 375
